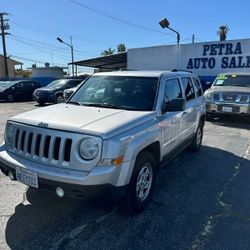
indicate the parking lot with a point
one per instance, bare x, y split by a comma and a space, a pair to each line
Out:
201, 201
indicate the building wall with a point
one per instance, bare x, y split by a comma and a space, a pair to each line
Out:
205, 59
11, 68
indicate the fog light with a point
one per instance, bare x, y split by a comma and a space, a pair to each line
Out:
11, 176
59, 192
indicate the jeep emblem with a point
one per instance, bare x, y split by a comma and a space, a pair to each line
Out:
43, 124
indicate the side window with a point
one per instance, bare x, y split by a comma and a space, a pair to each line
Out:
172, 90
188, 88
72, 84
197, 87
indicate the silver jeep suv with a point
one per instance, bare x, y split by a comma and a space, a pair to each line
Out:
110, 137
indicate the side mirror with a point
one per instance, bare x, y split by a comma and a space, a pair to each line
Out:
174, 105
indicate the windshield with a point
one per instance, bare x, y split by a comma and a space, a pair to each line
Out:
232, 80
57, 83
7, 84
121, 92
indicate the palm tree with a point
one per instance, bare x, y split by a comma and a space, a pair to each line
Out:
107, 52
222, 32
121, 48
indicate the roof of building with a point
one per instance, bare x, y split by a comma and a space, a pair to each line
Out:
14, 61
110, 62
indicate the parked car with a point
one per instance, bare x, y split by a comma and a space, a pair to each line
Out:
53, 93
17, 90
68, 92
229, 94
109, 139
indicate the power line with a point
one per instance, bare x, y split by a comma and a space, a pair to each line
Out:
119, 19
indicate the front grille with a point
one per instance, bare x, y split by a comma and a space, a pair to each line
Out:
43, 146
229, 98
216, 97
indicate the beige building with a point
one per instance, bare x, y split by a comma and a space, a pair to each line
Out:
11, 67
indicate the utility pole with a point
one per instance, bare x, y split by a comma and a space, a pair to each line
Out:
4, 26
193, 38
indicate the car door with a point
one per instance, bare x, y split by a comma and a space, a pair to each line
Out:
17, 90
188, 127
171, 120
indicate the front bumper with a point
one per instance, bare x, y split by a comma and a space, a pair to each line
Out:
100, 182
44, 98
227, 108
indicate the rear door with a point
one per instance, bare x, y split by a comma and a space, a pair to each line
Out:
190, 113
171, 120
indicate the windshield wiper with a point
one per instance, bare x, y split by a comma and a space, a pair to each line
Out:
102, 105
74, 103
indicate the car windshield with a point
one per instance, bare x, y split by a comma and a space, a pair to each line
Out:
57, 83
120, 92
233, 80
6, 84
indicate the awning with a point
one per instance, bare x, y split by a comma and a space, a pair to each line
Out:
110, 62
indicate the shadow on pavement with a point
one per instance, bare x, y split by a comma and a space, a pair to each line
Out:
186, 195
242, 122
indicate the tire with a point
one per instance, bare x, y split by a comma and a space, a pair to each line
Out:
210, 117
59, 99
141, 185
197, 140
10, 98
41, 103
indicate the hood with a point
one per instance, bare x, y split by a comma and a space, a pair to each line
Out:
81, 119
232, 89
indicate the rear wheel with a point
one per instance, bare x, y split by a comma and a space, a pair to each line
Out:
141, 184
10, 98
41, 103
197, 140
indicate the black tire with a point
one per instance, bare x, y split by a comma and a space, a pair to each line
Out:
59, 99
10, 98
210, 117
197, 140
41, 103
132, 203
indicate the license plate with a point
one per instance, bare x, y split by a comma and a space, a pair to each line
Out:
27, 177
227, 109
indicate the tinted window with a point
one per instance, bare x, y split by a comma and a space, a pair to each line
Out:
197, 86
172, 90
121, 92
72, 84
188, 88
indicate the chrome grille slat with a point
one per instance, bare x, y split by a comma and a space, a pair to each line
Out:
25, 148
20, 134
41, 146
33, 144
51, 148
61, 151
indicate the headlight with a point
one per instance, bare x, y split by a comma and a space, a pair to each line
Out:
208, 95
9, 133
88, 148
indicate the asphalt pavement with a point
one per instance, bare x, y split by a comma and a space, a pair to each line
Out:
201, 201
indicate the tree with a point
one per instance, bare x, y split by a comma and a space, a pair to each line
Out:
107, 52
222, 32
121, 48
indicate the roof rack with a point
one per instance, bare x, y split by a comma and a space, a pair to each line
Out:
181, 70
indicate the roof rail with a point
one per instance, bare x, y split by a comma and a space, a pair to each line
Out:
181, 70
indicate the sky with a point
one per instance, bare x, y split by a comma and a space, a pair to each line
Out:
96, 25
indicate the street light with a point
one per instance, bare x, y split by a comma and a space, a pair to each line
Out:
72, 51
165, 24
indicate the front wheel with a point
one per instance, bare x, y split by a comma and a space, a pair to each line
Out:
10, 98
59, 99
141, 184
